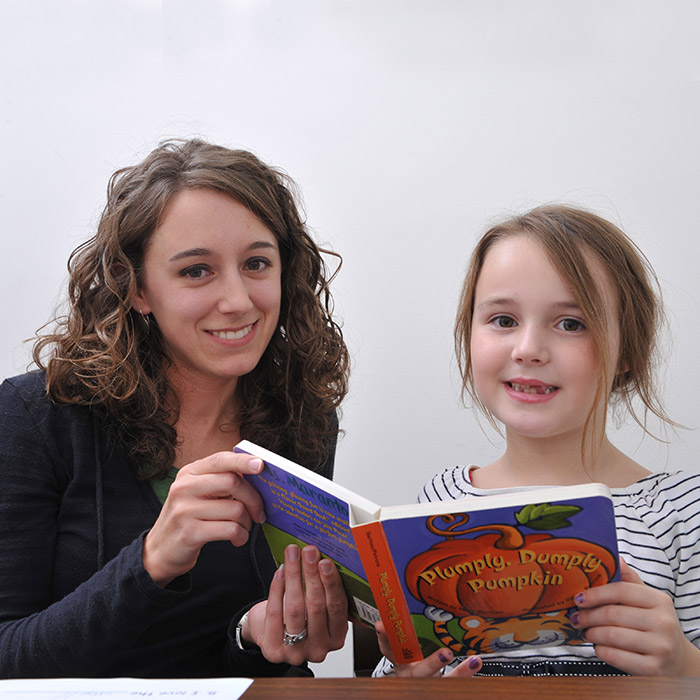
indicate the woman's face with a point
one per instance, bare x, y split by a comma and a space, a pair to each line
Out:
212, 281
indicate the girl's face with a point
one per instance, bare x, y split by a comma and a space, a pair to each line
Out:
212, 280
532, 356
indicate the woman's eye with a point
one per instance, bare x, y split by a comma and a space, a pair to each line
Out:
503, 322
194, 272
257, 264
571, 325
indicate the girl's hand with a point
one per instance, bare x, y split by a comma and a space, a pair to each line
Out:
208, 501
321, 611
635, 628
430, 666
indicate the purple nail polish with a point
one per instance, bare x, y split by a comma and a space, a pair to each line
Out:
445, 656
578, 598
574, 619
474, 662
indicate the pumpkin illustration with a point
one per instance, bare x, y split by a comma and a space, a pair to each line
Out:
503, 571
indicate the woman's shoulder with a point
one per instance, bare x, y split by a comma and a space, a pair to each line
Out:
29, 388
24, 400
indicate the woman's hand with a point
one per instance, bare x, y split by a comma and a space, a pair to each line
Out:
635, 628
431, 665
321, 610
208, 501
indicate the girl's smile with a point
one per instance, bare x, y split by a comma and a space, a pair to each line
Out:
530, 391
533, 360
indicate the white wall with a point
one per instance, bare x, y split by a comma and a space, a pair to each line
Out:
408, 124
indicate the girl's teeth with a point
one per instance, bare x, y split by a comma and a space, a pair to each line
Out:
532, 389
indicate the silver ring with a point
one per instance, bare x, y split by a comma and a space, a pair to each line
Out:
290, 639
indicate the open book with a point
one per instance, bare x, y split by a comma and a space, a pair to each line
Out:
479, 575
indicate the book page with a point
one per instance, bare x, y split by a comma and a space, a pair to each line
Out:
123, 688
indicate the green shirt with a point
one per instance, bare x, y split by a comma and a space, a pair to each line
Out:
162, 486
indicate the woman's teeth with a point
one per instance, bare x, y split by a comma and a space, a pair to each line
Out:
233, 335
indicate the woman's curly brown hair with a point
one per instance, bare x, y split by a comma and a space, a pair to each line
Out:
101, 353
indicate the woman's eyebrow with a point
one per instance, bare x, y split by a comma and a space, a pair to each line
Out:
191, 253
200, 252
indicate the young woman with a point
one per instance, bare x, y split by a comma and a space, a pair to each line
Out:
557, 321
199, 314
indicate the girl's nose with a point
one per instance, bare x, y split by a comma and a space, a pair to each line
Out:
531, 347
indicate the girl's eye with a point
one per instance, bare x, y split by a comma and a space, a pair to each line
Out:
194, 272
571, 325
503, 322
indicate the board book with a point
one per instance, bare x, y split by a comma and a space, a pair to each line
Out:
484, 574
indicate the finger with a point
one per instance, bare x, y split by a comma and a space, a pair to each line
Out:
467, 668
237, 462
196, 481
336, 602
428, 667
629, 574
189, 507
294, 604
619, 593
273, 624
383, 641
315, 598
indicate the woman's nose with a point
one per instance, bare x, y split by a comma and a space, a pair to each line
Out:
234, 295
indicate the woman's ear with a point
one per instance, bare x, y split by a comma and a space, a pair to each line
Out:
140, 303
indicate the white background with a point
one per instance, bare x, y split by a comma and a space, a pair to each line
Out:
409, 125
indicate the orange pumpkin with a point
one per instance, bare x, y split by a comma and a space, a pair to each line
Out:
503, 574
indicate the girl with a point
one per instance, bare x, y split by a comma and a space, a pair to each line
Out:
199, 314
557, 321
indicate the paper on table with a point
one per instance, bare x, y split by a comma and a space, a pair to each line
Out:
123, 688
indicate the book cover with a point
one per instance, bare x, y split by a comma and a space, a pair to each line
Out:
305, 508
480, 575
499, 573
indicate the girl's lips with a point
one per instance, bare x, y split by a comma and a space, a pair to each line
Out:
531, 392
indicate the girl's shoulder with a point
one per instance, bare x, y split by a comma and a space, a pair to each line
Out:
679, 490
659, 494
449, 485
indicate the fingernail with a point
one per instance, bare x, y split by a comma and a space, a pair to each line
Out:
326, 566
445, 656
261, 517
256, 464
280, 572
574, 618
474, 662
578, 598
309, 554
293, 552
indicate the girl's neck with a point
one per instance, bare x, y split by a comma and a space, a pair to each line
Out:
528, 462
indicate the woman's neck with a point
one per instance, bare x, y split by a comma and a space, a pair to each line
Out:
529, 462
207, 417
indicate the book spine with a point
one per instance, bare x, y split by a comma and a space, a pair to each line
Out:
387, 591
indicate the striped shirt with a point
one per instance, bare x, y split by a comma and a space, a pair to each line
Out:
658, 529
